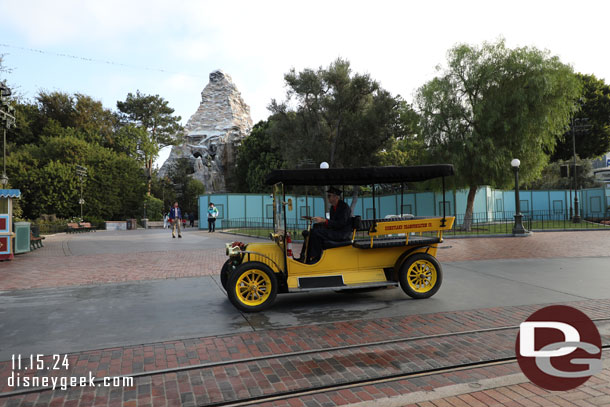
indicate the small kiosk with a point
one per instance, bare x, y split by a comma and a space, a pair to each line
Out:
6, 222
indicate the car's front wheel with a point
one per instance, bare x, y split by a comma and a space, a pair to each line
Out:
252, 287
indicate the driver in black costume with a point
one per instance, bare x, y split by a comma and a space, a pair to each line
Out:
337, 228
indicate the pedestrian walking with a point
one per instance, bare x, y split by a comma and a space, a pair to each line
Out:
212, 215
192, 219
175, 216
165, 221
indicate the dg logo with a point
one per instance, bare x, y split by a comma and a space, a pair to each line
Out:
559, 348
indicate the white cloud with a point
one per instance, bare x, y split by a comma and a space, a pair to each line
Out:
74, 21
398, 43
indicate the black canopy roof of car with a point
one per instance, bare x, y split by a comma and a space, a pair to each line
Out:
359, 176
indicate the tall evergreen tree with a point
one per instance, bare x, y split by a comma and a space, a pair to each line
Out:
153, 114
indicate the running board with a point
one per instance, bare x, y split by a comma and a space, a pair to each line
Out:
321, 282
380, 284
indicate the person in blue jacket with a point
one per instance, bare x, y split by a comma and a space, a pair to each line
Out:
175, 216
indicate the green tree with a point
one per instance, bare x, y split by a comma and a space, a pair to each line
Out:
164, 189
154, 208
492, 104
550, 177
59, 131
187, 188
153, 114
594, 112
53, 110
94, 121
26, 130
58, 106
406, 147
128, 139
340, 117
256, 157
190, 197
46, 174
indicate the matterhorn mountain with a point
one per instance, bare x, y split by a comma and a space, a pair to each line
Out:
213, 133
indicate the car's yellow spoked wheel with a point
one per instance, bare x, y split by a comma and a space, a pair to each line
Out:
420, 276
252, 287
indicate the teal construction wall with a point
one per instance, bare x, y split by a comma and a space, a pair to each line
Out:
490, 204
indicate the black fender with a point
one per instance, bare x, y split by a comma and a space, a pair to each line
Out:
401, 259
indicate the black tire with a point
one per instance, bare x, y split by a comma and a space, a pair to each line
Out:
420, 276
225, 272
252, 287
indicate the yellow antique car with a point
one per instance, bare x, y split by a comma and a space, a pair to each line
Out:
394, 251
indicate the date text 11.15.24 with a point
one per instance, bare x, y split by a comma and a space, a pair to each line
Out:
40, 362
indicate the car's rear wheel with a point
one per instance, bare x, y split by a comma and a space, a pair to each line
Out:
421, 276
252, 287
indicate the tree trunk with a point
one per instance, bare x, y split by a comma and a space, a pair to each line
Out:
466, 226
149, 164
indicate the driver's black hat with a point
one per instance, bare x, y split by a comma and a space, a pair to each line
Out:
333, 190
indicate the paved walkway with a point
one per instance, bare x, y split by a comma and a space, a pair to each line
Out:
110, 257
96, 258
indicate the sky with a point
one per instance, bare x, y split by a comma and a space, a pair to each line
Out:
106, 49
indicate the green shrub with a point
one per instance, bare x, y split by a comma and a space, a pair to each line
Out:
96, 222
154, 208
49, 226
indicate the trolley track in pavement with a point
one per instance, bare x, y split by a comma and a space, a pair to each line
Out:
366, 382
323, 369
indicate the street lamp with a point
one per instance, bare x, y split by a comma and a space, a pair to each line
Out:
518, 228
324, 166
81, 172
579, 125
7, 119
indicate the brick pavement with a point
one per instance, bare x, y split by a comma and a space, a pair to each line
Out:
55, 265
542, 245
228, 381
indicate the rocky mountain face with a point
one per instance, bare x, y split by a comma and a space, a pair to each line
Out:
213, 133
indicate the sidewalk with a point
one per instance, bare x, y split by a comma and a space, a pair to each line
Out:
68, 260
58, 264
